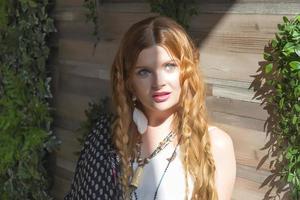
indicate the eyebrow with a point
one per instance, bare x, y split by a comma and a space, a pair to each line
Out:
169, 61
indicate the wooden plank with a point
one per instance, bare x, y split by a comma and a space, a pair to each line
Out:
65, 122
223, 6
64, 173
61, 187
69, 165
233, 30
251, 173
229, 66
114, 25
85, 86
83, 51
79, 30
67, 3
85, 69
234, 93
122, 7
235, 42
72, 106
236, 107
237, 121
247, 190
69, 145
73, 13
230, 83
278, 8
247, 144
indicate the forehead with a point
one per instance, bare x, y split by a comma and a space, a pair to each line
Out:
153, 55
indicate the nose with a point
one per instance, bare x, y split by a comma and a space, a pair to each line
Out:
158, 80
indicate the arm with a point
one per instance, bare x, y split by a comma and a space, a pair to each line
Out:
223, 153
96, 170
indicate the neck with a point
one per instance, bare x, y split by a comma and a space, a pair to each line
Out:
155, 134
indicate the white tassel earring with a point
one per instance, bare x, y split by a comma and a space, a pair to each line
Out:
139, 118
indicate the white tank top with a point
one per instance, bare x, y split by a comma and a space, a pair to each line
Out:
173, 182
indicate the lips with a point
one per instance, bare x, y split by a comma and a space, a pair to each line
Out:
161, 96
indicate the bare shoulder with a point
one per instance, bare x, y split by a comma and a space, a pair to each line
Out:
219, 138
225, 162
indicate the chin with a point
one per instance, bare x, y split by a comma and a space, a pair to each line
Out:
163, 108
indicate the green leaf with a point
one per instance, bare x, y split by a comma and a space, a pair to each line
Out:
269, 68
285, 19
295, 65
297, 50
267, 56
297, 90
274, 43
294, 120
24, 115
290, 177
281, 102
288, 48
297, 108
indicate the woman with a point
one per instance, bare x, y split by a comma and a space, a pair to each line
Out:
161, 146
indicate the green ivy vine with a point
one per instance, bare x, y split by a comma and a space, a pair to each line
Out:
93, 113
179, 10
278, 86
26, 138
92, 17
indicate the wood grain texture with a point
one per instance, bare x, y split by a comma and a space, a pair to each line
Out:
72, 106
61, 187
83, 51
247, 144
71, 144
247, 190
92, 87
236, 107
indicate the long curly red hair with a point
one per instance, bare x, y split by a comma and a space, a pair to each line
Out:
190, 120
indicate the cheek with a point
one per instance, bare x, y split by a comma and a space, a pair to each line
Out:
175, 82
141, 87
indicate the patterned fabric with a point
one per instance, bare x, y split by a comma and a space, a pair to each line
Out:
98, 168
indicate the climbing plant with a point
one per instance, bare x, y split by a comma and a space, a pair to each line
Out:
278, 86
26, 138
91, 15
179, 10
93, 113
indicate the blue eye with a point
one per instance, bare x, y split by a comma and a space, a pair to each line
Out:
170, 66
143, 72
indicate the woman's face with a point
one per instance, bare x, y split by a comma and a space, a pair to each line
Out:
155, 80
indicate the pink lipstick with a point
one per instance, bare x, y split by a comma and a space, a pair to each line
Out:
160, 96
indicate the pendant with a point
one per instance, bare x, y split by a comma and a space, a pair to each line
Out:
172, 157
135, 181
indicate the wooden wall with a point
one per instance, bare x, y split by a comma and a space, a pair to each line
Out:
231, 35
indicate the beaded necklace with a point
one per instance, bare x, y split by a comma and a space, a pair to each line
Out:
142, 162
